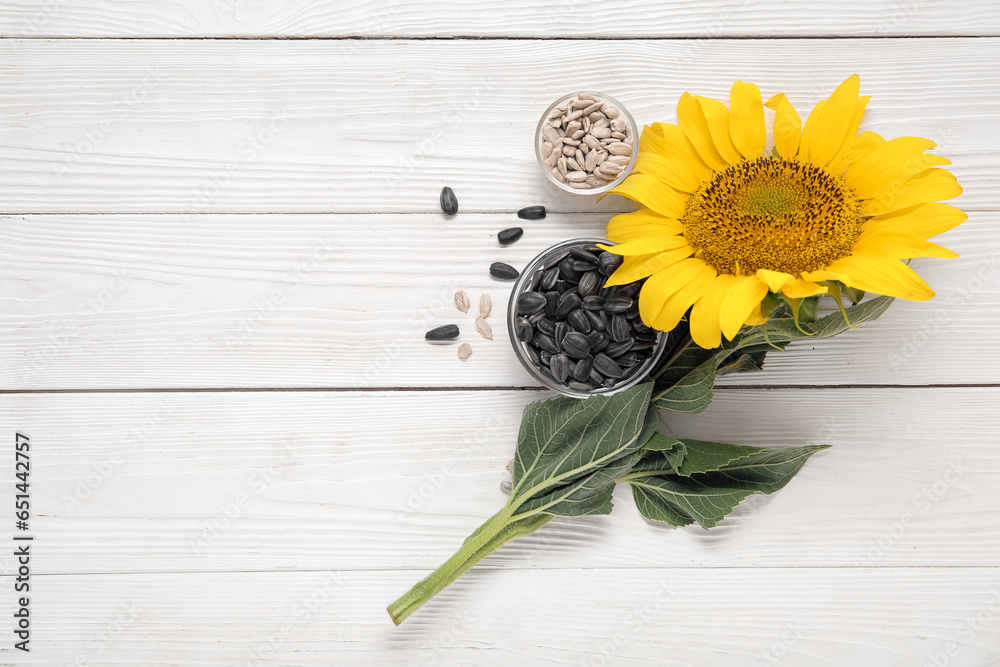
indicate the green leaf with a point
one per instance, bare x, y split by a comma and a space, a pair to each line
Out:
659, 442
712, 480
569, 452
693, 392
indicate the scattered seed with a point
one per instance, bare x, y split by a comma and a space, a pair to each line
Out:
444, 332
462, 301
483, 327
502, 271
485, 306
464, 351
506, 487
449, 202
508, 236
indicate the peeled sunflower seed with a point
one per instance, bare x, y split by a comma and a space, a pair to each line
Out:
485, 306
483, 327
445, 332
464, 351
508, 236
502, 271
462, 301
449, 202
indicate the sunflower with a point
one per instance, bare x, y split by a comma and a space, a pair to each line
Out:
728, 220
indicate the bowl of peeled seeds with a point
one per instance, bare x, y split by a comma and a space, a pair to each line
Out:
573, 334
585, 143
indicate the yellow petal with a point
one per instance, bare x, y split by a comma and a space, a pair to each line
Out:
833, 122
927, 186
787, 126
647, 245
692, 121
899, 246
746, 120
774, 280
922, 221
891, 277
664, 284
653, 194
744, 296
756, 317
800, 289
717, 117
836, 164
809, 131
675, 307
886, 163
636, 267
863, 144
670, 142
638, 224
825, 274
706, 330
670, 172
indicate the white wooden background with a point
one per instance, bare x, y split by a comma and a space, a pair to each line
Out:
220, 248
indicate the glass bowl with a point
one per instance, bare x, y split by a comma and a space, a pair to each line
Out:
551, 166
530, 355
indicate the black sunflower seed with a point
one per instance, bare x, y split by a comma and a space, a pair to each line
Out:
529, 303
582, 266
546, 357
582, 369
590, 282
596, 320
581, 386
556, 259
534, 354
536, 280
617, 304
627, 360
508, 236
567, 271
576, 345
449, 202
578, 320
583, 255
608, 262
619, 328
595, 378
616, 349
551, 300
525, 332
598, 340
593, 302
568, 302
561, 366
549, 278
604, 365
547, 343
502, 271
531, 213
546, 326
561, 330
444, 332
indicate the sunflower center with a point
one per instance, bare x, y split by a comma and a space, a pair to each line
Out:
772, 213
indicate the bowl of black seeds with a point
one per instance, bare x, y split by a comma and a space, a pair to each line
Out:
573, 334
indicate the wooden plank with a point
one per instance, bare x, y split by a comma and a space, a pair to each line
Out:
251, 481
730, 618
581, 18
147, 301
204, 126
